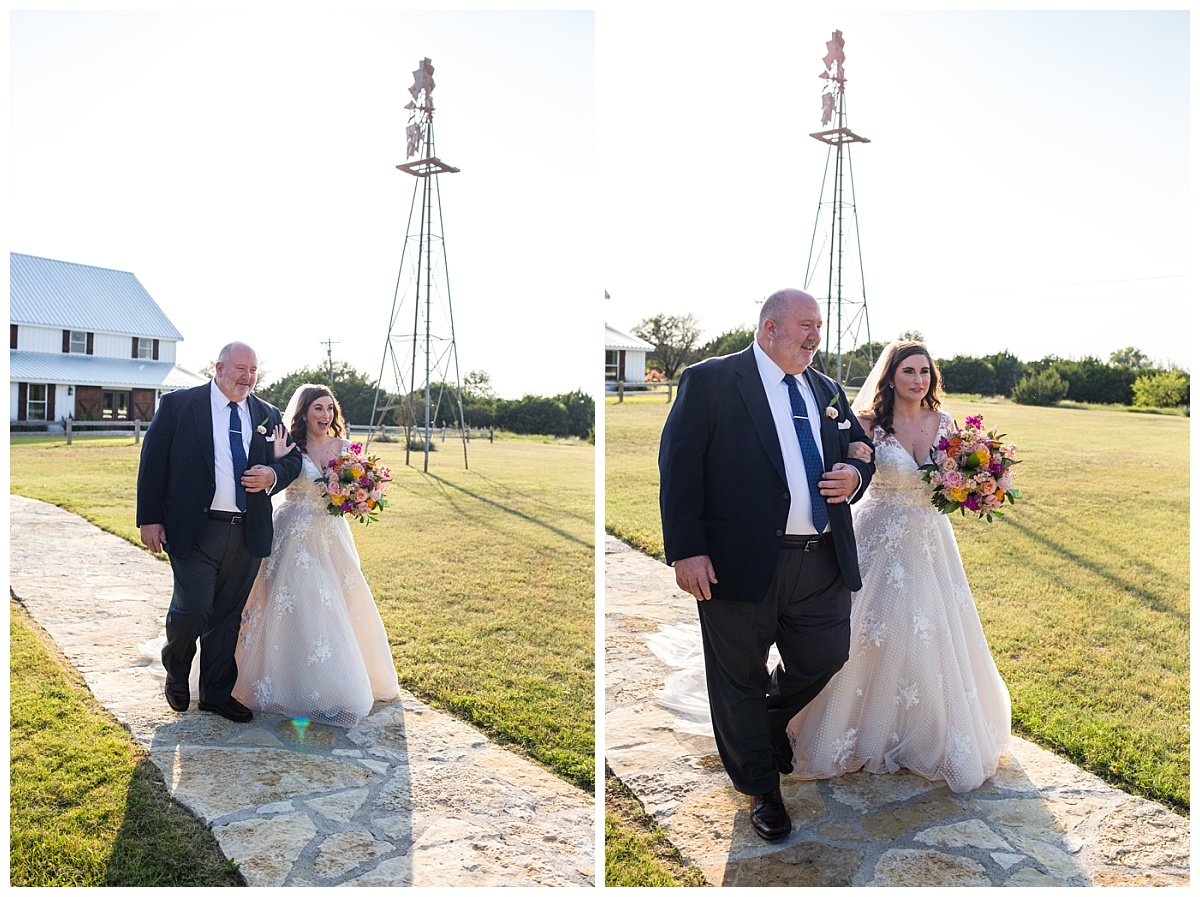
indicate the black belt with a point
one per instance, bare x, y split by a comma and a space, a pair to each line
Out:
808, 543
227, 517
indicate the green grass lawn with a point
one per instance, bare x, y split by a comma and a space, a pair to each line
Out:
485, 578
87, 807
1082, 588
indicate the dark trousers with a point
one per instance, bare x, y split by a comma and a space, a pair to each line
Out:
211, 587
806, 614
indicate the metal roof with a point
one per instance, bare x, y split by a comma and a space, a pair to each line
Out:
615, 339
82, 297
92, 370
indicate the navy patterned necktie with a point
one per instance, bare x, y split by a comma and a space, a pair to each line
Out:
813, 466
239, 454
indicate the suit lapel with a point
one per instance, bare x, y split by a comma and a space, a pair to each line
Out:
750, 386
202, 415
258, 441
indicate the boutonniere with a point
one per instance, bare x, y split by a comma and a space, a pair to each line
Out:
261, 429
831, 410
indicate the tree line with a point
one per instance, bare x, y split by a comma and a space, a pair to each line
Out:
1128, 377
568, 414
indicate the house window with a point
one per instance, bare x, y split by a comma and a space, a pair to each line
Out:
611, 364
145, 348
78, 342
115, 405
35, 408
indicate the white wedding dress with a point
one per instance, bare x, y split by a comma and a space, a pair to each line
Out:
920, 690
312, 644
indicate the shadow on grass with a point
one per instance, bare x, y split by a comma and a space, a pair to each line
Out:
161, 844
1132, 558
446, 486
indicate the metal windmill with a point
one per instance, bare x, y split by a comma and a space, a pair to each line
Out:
845, 309
429, 350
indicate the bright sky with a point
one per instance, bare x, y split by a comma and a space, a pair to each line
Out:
242, 166
1026, 186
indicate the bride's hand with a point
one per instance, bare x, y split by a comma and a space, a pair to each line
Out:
283, 443
860, 451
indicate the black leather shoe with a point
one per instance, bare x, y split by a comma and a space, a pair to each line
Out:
232, 710
770, 818
178, 694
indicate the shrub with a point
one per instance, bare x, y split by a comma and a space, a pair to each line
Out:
1164, 389
1091, 380
965, 374
1046, 387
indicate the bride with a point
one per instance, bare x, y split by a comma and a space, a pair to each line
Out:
920, 690
312, 643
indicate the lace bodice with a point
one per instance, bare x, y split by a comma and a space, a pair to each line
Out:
897, 479
304, 490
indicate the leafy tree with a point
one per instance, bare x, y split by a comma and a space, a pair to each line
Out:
355, 391
962, 373
1129, 357
478, 384
915, 335
1009, 371
1163, 389
1046, 387
727, 343
674, 338
1091, 380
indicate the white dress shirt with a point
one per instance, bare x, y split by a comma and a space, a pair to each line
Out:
225, 498
799, 520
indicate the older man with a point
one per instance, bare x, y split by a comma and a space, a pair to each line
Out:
203, 496
756, 480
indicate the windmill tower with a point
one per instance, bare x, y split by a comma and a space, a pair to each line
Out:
428, 350
845, 289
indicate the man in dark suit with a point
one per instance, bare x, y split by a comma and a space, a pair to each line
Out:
756, 477
207, 472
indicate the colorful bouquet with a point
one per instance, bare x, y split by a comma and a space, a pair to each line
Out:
972, 471
355, 485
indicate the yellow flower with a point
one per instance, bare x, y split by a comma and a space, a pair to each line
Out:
959, 495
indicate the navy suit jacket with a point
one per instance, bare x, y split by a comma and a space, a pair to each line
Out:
177, 478
723, 491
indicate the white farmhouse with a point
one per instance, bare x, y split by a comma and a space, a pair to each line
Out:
624, 358
87, 343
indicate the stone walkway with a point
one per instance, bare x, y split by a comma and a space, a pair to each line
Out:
409, 797
1038, 821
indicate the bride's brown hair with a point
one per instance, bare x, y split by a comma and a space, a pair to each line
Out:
883, 406
299, 427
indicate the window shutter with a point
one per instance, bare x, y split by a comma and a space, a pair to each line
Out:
12, 336
66, 340
89, 343
50, 391
135, 347
156, 350
23, 399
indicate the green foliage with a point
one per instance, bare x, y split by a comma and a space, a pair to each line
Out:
674, 338
1129, 357
1164, 389
1046, 387
727, 343
355, 391
1091, 380
1009, 369
963, 373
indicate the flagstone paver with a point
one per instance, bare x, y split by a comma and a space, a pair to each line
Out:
1040, 821
409, 797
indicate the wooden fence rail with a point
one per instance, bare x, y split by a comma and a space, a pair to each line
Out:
642, 388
